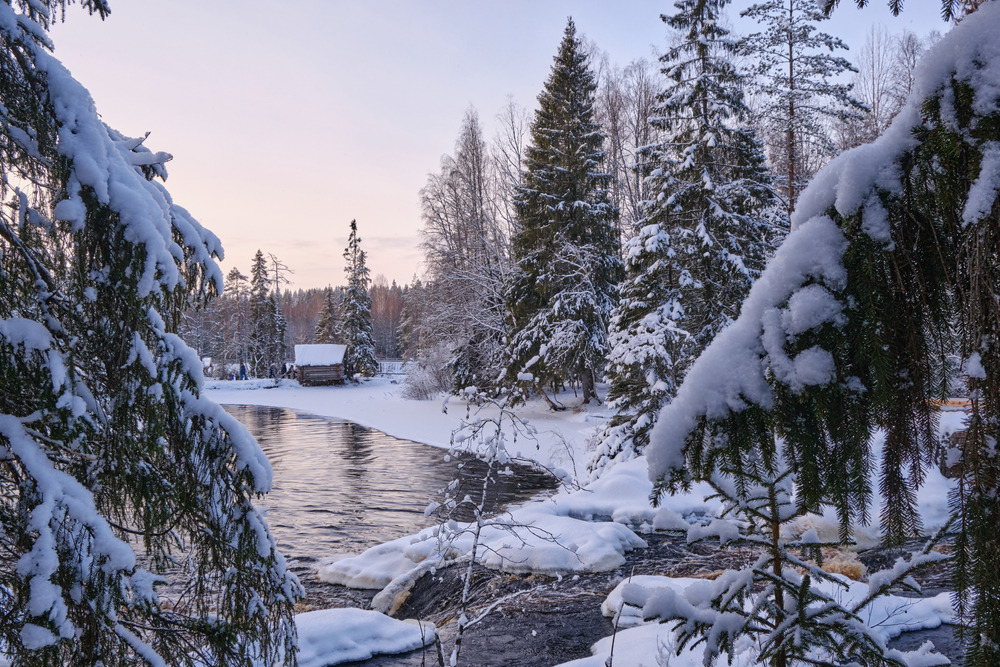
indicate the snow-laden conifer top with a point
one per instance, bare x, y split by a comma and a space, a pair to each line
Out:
797, 283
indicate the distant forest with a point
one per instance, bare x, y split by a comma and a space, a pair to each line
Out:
224, 329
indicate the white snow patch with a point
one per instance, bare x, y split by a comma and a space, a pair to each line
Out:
973, 367
332, 636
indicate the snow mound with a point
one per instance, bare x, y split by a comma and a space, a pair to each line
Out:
332, 636
538, 540
631, 616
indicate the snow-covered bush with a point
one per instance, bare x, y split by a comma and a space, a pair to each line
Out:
429, 375
785, 605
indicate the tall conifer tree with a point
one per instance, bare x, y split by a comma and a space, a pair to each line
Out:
567, 248
357, 328
797, 79
266, 343
704, 236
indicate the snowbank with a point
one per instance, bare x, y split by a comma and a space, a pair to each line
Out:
889, 616
332, 636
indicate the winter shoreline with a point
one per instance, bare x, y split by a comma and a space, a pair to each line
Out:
620, 497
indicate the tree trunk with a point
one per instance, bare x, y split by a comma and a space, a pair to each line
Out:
589, 386
556, 407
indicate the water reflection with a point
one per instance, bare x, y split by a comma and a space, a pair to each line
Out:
340, 488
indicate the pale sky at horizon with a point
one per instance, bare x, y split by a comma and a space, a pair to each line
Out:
284, 127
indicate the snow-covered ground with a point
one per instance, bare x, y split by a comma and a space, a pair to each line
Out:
592, 527
638, 643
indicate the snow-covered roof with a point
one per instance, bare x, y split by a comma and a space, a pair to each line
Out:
319, 355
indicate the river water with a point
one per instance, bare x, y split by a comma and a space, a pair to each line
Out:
340, 488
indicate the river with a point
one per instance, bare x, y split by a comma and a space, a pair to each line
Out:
340, 488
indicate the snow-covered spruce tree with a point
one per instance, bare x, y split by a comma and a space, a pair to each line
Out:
328, 328
796, 80
564, 287
280, 349
107, 446
235, 318
264, 343
704, 236
850, 328
357, 310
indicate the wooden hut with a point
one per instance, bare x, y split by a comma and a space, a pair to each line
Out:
319, 364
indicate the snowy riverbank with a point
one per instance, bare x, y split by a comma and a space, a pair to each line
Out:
594, 527
563, 441
378, 403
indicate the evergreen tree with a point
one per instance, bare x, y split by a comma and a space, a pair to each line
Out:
889, 271
796, 78
357, 307
108, 446
703, 238
566, 248
265, 343
328, 329
235, 318
279, 350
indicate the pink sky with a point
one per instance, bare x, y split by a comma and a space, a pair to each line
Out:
285, 125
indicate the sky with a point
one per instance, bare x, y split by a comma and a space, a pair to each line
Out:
288, 120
